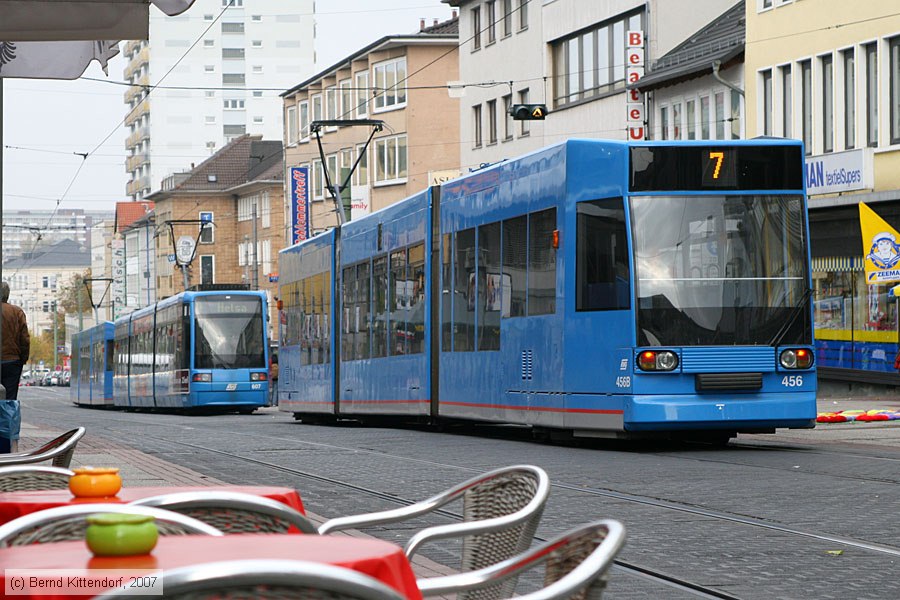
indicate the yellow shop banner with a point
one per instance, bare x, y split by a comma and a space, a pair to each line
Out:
881, 247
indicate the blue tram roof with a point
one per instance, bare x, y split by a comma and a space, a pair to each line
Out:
185, 297
569, 156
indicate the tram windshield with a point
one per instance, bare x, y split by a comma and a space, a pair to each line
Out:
229, 332
720, 270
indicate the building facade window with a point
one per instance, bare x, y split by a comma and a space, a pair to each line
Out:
390, 81
720, 115
786, 101
292, 125
207, 269
317, 107
523, 14
735, 115
390, 160
704, 117
491, 106
476, 124
207, 233
507, 18
304, 120
806, 125
524, 126
507, 119
346, 108
849, 99
827, 64
894, 82
592, 62
318, 182
664, 123
491, 16
362, 168
871, 52
331, 103
362, 94
691, 114
767, 102
476, 28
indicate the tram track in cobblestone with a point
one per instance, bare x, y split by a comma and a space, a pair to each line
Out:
660, 578
668, 580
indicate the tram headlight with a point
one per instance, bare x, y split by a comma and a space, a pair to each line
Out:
796, 358
657, 360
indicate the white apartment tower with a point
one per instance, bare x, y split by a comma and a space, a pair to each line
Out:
220, 67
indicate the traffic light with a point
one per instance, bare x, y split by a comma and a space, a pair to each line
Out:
528, 112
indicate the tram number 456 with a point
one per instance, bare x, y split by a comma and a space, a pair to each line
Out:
792, 381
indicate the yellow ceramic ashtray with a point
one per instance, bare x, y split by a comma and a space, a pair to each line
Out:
95, 482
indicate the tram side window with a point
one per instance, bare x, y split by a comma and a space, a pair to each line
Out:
601, 256
446, 292
464, 292
380, 308
305, 321
315, 321
541, 263
361, 314
415, 323
349, 297
325, 319
399, 302
515, 264
490, 287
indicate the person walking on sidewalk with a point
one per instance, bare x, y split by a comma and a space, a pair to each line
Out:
273, 380
16, 348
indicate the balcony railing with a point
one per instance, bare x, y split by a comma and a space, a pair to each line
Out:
139, 111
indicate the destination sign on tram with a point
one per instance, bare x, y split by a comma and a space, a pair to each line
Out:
226, 305
724, 167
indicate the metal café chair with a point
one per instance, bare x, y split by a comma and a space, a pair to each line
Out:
501, 511
23, 478
575, 567
232, 512
289, 579
69, 523
59, 450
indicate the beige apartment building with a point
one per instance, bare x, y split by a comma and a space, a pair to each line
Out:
239, 190
828, 73
401, 80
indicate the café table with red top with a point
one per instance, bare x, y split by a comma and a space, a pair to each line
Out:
382, 560
17, 504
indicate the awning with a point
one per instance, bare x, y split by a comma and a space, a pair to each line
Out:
58, 20
53, 60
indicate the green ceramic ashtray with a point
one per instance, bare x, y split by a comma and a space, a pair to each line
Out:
121, 534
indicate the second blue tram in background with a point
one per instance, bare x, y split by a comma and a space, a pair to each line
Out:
194, 350
91, 382
609, 289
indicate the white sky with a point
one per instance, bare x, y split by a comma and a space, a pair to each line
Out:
46, 121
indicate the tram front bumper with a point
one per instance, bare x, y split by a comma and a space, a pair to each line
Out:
721, 411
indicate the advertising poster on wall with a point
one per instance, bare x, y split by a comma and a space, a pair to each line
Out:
299, 178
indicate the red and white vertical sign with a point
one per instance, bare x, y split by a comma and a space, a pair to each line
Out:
634, 70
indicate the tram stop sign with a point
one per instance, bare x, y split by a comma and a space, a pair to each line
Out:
184, 249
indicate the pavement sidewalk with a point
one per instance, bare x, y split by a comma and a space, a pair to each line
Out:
140, 469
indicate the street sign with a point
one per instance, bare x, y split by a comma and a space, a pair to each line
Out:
184, 249
61, 349
170, 257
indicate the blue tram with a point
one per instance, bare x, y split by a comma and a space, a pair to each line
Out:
603, 288
91, 382
193, 350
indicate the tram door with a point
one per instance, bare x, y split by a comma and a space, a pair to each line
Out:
600, 331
